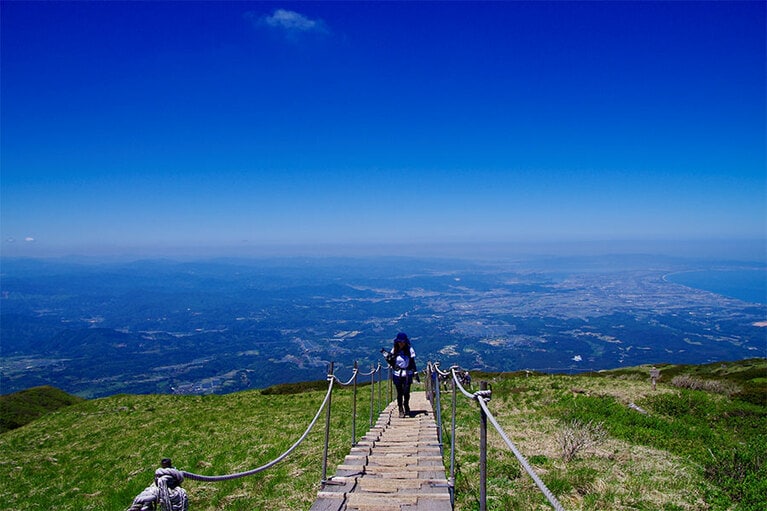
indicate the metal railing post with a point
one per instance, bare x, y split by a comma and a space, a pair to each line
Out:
372, 392
354, 407
391, 384
432, 378
482, 454
327, 430
380, 383
438, 410
452, 448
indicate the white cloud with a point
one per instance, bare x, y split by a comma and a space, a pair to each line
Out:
291, 22
29, 239
577, 358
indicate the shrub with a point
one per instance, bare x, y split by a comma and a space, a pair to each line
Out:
577, 435
684, 404
717, 386
757, 396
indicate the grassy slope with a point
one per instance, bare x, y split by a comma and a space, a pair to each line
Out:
23, 407
693, 451
684, 455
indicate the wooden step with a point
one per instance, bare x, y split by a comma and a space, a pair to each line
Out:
396, 466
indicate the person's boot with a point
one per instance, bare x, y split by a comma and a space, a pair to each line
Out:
401, 412
407, 411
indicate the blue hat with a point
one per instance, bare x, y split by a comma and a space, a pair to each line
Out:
402, 336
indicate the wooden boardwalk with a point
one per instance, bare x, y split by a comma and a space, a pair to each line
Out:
396, 466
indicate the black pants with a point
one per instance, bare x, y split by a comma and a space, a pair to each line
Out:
402, 384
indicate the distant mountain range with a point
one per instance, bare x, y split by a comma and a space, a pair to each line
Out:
224, 325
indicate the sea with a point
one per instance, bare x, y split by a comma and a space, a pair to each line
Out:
746, 285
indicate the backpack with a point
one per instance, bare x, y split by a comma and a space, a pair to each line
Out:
411, 363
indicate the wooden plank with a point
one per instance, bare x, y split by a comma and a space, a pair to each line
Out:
366, 499
380, 485
323, 504
397, 474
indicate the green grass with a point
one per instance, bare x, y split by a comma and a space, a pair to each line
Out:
99, 454
23, 407
694, 450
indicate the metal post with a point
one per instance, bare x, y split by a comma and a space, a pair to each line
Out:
452, 447
354, 407
327, 431
438, 409
430, 393
391, 380
380, 383
372, 392
482, 453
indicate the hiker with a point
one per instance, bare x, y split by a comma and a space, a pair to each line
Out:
403, 369
445, 379
165, 494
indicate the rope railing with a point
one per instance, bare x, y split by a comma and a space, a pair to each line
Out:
481, 396
433, 392
372, 371
349, 382
326, 405
198, 477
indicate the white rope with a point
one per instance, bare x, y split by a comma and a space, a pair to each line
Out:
372, 371
354, 373
463, 390
439, 371
284, 455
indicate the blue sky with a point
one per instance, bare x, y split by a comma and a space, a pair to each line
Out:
152, 127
